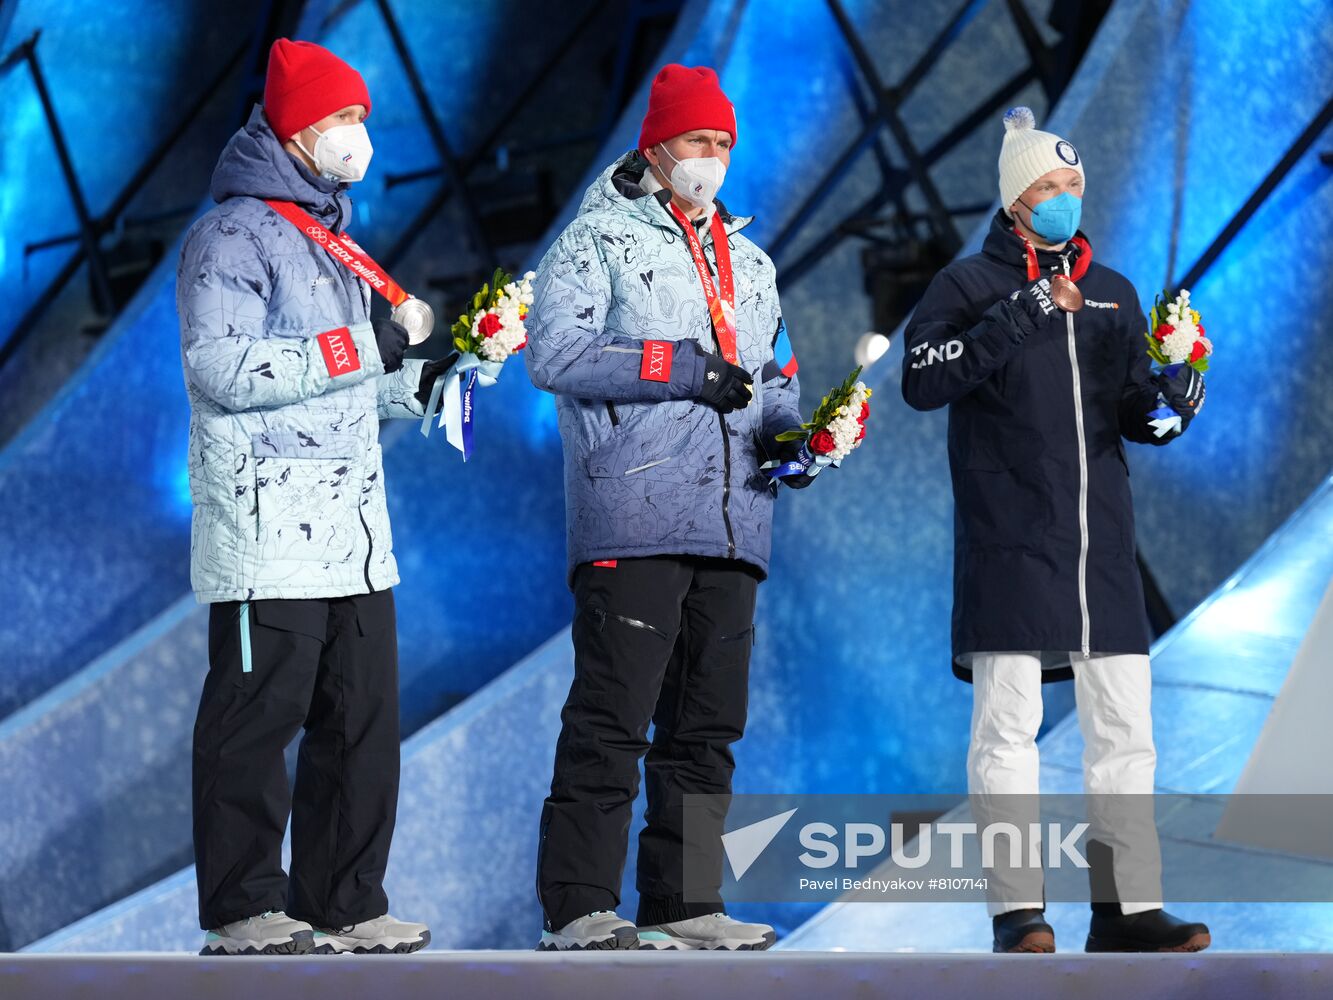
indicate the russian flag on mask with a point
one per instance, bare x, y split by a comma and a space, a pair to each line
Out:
782, 352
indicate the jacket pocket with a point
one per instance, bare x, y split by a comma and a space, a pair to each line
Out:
1128, 536
375, 504
306, 494
1004, 496
650, 442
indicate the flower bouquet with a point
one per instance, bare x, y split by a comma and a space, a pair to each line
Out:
1175, 338
487, 335
837, 429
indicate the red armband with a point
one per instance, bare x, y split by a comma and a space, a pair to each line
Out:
656, 366
340, 355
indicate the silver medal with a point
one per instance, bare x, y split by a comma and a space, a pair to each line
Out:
416, 317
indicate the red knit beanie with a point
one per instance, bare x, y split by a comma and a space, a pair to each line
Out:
305, 83
685, 98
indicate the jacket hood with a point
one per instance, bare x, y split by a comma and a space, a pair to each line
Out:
617, 190
1005, 245
253, 164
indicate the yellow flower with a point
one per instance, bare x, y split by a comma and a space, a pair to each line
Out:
1195, 314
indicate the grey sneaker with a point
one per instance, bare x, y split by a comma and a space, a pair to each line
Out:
270, 933
600, 931
715, 932
382, 936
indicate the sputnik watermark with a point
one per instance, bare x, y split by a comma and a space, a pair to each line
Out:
864, 841
1061, 847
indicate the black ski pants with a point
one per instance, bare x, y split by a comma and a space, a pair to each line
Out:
276, 667
666, 640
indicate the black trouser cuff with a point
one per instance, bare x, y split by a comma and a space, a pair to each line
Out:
668, 909
211, 920
563, 904
336, 920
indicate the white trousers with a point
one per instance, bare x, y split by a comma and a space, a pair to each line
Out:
1114, 699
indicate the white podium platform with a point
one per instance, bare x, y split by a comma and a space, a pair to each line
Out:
695, 976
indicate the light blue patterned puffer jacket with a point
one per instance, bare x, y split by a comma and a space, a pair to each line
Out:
648, 470
285, 469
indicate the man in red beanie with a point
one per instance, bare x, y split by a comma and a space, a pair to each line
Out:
287, 376
657, 325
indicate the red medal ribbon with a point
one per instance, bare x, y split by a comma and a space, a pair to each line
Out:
722, 295
1081, 265
343, 249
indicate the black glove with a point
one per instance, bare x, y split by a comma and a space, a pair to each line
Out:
725, 386
1183, 391
790, 451
431, 371
1035, 300
392, 340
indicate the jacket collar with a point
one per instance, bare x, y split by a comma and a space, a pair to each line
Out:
629, 193
254, 164
1006, 246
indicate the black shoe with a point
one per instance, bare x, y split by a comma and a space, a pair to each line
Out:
1023, 931
1152, 930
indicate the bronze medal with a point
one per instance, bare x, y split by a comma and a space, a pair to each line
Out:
416, 317
1066, 293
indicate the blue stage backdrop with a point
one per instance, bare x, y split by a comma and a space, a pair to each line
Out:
120, 82
117, 645
95, 490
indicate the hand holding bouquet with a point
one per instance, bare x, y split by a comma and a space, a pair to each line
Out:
837, 429
1176, 341
487, 335
493, 330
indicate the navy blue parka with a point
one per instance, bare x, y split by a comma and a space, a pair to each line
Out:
1044, 549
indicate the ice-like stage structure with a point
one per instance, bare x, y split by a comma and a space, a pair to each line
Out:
782, 976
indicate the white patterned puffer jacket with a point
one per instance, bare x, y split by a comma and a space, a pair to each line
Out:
286, 390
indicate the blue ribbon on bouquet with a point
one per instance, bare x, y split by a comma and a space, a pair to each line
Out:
453, 394
805, 462
1163, 420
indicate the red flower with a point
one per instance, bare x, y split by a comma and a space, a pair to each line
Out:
522, 345
865, 412
1161, 332
1201, 333
1198, 351
862, 434
821, 442
490, 325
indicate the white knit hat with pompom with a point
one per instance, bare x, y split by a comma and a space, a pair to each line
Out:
1028, 154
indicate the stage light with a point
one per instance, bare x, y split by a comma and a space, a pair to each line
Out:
870, 348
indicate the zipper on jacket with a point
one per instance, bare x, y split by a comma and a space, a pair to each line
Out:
611, 412
726, 486
370, 548
1082, 485
726, 442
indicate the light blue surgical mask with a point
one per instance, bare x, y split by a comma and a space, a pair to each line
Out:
1056, 219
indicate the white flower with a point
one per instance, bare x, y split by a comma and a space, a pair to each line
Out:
1178, 344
